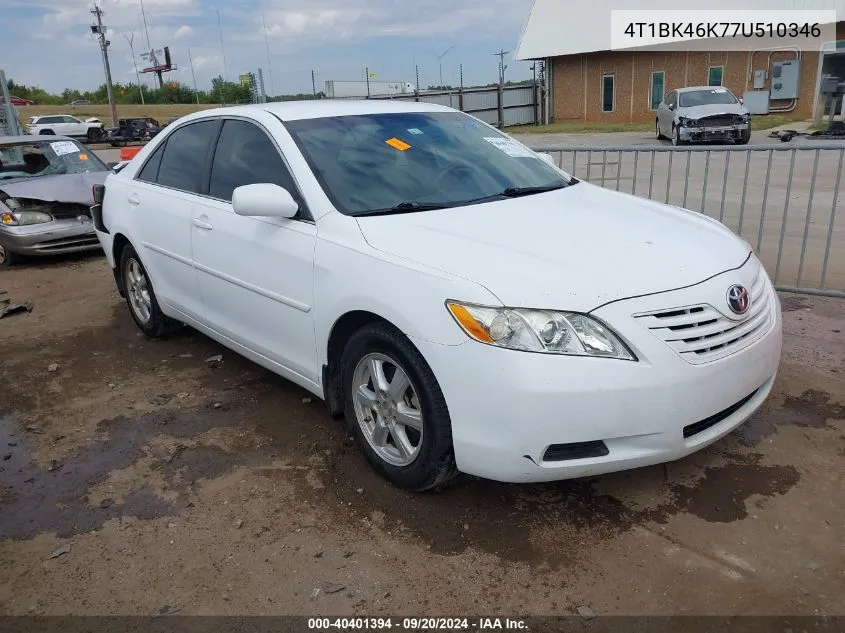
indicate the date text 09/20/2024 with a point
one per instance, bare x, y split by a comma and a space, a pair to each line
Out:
416, 624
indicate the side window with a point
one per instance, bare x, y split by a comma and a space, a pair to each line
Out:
657, 78
183, 161
48, 119
245, 156
69, 119
149, 173
608, 97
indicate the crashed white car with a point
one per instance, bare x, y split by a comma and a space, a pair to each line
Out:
465, 304
64, 125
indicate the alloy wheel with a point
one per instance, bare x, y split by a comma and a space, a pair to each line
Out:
138, 291
387, 409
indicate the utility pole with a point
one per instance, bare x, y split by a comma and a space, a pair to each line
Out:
367, 70
313, 83
222, 49
193, 76
267, 46
417, 85
131, 39
501, 55
99, 30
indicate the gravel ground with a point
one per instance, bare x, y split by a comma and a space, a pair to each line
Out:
137, 477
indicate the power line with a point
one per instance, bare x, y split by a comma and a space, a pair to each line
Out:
267, 46
222, 48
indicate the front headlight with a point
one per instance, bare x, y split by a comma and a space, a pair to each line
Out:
684, 121
545, 331
24, 218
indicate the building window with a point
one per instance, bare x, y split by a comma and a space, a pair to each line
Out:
656, 89
608, 94
714, 75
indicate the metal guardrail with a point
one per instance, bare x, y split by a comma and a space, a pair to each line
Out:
782, 198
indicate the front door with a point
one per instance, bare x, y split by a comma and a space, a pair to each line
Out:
256, 274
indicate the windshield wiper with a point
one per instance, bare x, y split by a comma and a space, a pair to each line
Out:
405, 207
515, 192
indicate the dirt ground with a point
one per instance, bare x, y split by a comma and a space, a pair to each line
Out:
137, 478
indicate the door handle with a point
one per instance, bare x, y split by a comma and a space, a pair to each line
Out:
133, 199
202, 224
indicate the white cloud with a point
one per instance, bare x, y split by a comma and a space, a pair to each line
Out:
184, 31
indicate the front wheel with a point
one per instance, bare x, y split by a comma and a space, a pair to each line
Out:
7, 257
676, 136
744, 137
143, 305
396, 410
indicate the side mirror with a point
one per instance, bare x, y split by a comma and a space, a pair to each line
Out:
264, 200
671, 106
548, 158
112, 165
740, 101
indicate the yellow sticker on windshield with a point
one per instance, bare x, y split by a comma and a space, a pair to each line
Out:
83, 157
395, 143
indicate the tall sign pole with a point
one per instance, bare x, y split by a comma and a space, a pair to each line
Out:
99, 30
193, 76
131, 39
269, 67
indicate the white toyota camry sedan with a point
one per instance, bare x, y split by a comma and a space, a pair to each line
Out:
464, 304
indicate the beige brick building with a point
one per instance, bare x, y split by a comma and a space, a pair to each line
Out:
627, 86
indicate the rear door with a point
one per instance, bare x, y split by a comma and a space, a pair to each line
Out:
256, 274
160, 199
73, 126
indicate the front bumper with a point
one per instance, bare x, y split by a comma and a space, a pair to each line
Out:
510, 410
50, 238
713, 133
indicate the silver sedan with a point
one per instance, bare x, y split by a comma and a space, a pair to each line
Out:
46, 189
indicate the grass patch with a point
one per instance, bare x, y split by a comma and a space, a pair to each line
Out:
758, 122
160, 112
574, 127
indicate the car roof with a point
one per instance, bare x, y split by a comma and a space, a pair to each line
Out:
314, 109
696, 88
30, 138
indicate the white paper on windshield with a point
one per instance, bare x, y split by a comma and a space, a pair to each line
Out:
415, 131
510, 147
64, 147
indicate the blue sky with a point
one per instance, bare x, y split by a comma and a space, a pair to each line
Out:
48, 42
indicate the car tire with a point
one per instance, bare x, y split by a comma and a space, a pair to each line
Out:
427, 459
140, 296
47, 133
93, 135
676, 136
745, 137
7, 257
658, 134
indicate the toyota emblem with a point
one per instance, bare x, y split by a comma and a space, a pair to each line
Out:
738, 299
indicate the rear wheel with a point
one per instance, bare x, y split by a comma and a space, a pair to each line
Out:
396, 410
7, 257
141, 298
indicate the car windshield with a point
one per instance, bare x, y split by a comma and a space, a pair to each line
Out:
706, 97
417, 161
46, 158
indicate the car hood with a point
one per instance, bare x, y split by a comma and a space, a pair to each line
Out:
698, 112
75, 188
571, 249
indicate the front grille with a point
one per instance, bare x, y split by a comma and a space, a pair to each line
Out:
69, 242
713, 420
575, 450
720, 119
701, 334
68, 211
